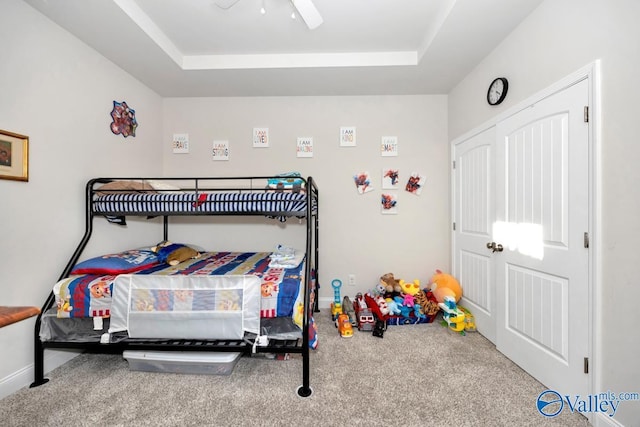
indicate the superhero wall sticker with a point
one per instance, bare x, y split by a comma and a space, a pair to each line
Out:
124, 119
390, 181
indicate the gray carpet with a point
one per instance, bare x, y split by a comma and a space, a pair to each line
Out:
418, 375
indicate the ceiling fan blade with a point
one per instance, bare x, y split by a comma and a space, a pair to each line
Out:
308, 12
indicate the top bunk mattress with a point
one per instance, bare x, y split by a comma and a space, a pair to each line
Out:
205, 203
266, 196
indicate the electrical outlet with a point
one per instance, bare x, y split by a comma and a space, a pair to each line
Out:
352, 280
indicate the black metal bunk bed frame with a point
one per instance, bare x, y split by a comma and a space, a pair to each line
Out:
296, 346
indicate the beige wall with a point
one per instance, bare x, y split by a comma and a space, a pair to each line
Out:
560, 37
355, 238
59, 92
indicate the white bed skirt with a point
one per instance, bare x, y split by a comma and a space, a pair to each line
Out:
189, 307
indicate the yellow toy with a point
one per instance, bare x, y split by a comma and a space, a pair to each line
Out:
410, 288
443, 285
469, 320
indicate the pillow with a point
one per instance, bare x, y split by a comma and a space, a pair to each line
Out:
124, 187
164, 187
119, 263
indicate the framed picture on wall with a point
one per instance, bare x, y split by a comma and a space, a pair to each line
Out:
14, 156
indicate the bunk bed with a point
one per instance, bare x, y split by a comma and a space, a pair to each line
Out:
94, 329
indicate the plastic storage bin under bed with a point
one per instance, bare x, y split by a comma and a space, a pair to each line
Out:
182, 362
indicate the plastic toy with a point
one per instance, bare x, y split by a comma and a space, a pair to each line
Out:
443, 285
336, 305
453, 317
363, 314
344, 326
347, 308
379, 328
469, 320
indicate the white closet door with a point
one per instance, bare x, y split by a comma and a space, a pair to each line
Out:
474, 210
542, 214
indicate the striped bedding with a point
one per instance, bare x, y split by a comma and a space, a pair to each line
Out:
244, 202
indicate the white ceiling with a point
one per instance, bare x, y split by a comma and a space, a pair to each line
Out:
363, 47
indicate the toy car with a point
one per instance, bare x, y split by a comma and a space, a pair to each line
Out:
344, 326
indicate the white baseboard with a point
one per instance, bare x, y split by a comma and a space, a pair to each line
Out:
602, 420
325, 302
24, 377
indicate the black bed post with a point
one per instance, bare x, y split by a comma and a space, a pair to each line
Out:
165, 223
316, 306
38, 348
305, 390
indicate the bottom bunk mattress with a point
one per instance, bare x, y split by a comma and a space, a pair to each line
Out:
191, 291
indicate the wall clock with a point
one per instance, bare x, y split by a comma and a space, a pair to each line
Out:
497, 91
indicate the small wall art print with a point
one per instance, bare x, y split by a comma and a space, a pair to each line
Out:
180, 143
389, 146
260, 137
347, 136
415, 183
14, 156
124, 119
304, 147
390, 178
389, 203
220, 150
363, 182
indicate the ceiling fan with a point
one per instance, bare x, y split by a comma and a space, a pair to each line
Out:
305, 8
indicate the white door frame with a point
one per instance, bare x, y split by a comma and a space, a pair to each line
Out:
592, 73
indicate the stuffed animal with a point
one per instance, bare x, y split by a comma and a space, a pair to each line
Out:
394, 307
427, 302
390, 284
409, 300
443, 285
174, 253
410, 288
382, 304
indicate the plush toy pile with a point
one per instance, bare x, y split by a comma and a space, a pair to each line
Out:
399, 302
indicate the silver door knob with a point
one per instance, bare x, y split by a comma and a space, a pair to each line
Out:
495, 247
